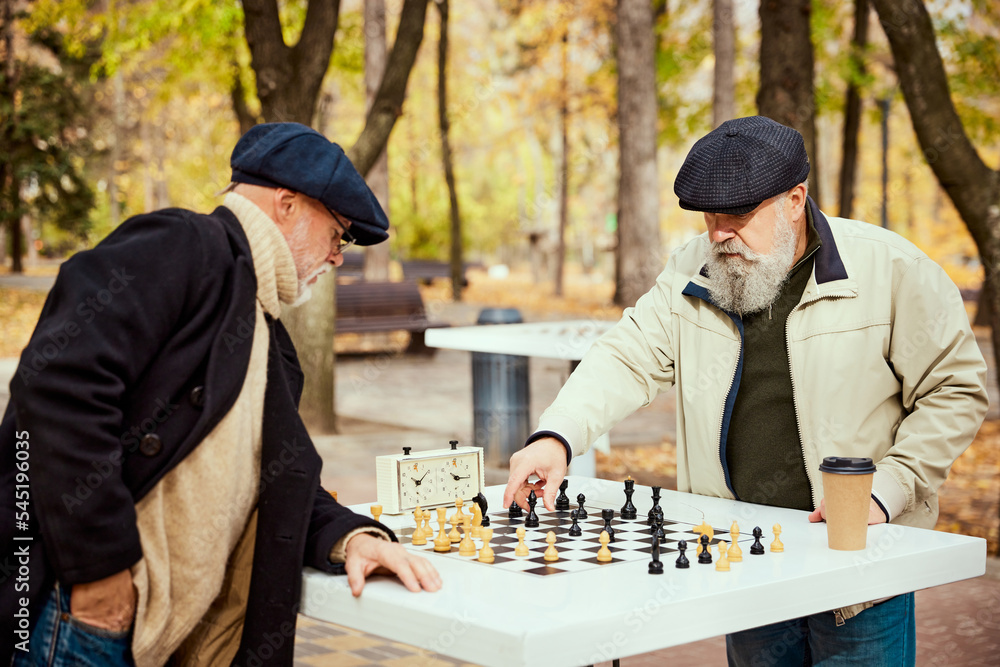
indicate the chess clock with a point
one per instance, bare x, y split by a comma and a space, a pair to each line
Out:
431, 478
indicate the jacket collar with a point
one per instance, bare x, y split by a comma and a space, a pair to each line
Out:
828, 264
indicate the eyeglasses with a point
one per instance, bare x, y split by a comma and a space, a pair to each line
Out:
346, 240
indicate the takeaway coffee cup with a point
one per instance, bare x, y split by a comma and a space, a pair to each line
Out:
847, 488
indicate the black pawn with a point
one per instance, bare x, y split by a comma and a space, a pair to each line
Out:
757, 549
562, 500
656, 506
628, 509
705, 557
531, 521
574, 530
608, 515
580, 510
660, 535
514, 511
682, 560
655, 566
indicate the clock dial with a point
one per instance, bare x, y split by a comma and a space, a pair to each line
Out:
459, 476
418, 481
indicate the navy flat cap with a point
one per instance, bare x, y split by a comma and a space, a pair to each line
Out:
296, 157
739, 164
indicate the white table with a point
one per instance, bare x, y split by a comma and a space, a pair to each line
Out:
495, 617
567, 340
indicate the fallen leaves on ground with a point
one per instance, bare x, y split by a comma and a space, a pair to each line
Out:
583, 295
19, 311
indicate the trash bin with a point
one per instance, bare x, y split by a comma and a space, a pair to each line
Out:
501, 396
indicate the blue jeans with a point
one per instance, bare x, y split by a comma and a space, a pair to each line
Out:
59, 640
880, 636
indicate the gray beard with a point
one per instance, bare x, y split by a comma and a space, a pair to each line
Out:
751, 282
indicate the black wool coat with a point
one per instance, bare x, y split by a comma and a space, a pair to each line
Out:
141, 349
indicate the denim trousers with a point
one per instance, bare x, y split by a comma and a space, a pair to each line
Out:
60, 640
880, 636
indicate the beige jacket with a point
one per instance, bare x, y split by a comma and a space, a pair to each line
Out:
883, 364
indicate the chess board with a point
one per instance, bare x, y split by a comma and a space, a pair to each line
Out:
632, 542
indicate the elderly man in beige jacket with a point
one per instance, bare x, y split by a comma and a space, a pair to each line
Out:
790, 336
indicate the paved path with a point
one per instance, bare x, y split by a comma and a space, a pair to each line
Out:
36, 283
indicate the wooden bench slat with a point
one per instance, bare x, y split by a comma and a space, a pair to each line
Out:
379, 307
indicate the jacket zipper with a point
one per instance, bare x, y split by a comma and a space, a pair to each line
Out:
722, 416
791, 376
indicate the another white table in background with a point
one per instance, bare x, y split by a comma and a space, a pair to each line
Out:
567, 340
500, 618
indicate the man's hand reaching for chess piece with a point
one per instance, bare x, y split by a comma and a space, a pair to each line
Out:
546, 458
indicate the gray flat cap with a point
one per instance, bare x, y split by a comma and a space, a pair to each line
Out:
739, 164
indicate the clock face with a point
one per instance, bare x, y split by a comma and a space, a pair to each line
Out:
458, 476
418, 482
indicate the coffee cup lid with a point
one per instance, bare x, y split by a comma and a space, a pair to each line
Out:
846, 465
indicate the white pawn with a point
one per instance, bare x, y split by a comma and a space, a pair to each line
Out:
551, 554
419, 539
486, 553
521, 549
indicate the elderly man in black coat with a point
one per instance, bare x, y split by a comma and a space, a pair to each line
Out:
160, 493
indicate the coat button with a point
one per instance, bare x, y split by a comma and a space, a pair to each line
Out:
198, 397
150, 445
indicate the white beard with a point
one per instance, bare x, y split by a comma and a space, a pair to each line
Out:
751, 282
298, 243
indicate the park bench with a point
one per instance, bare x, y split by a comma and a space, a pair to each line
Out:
365, 307
425, 271
353, 267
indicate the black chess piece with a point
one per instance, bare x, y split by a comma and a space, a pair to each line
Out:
574, 530
531, 521
656, 506
581, 510
757, 549
657, 525
562, 500
608, 514
660, 535
628, 509
682, 560
484, 507
655, 566
514, 511
705, 556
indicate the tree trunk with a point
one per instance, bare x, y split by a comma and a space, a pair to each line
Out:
984, 309
852, 110
289, 78
376, 267
10, 184
117, 141
456, 259
563, 165
724, 46
973, 187
311, 326
883, 105
639, 258
388, 104
288, 85
786, 73
239, 97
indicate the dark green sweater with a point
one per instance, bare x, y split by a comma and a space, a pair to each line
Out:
763, 449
